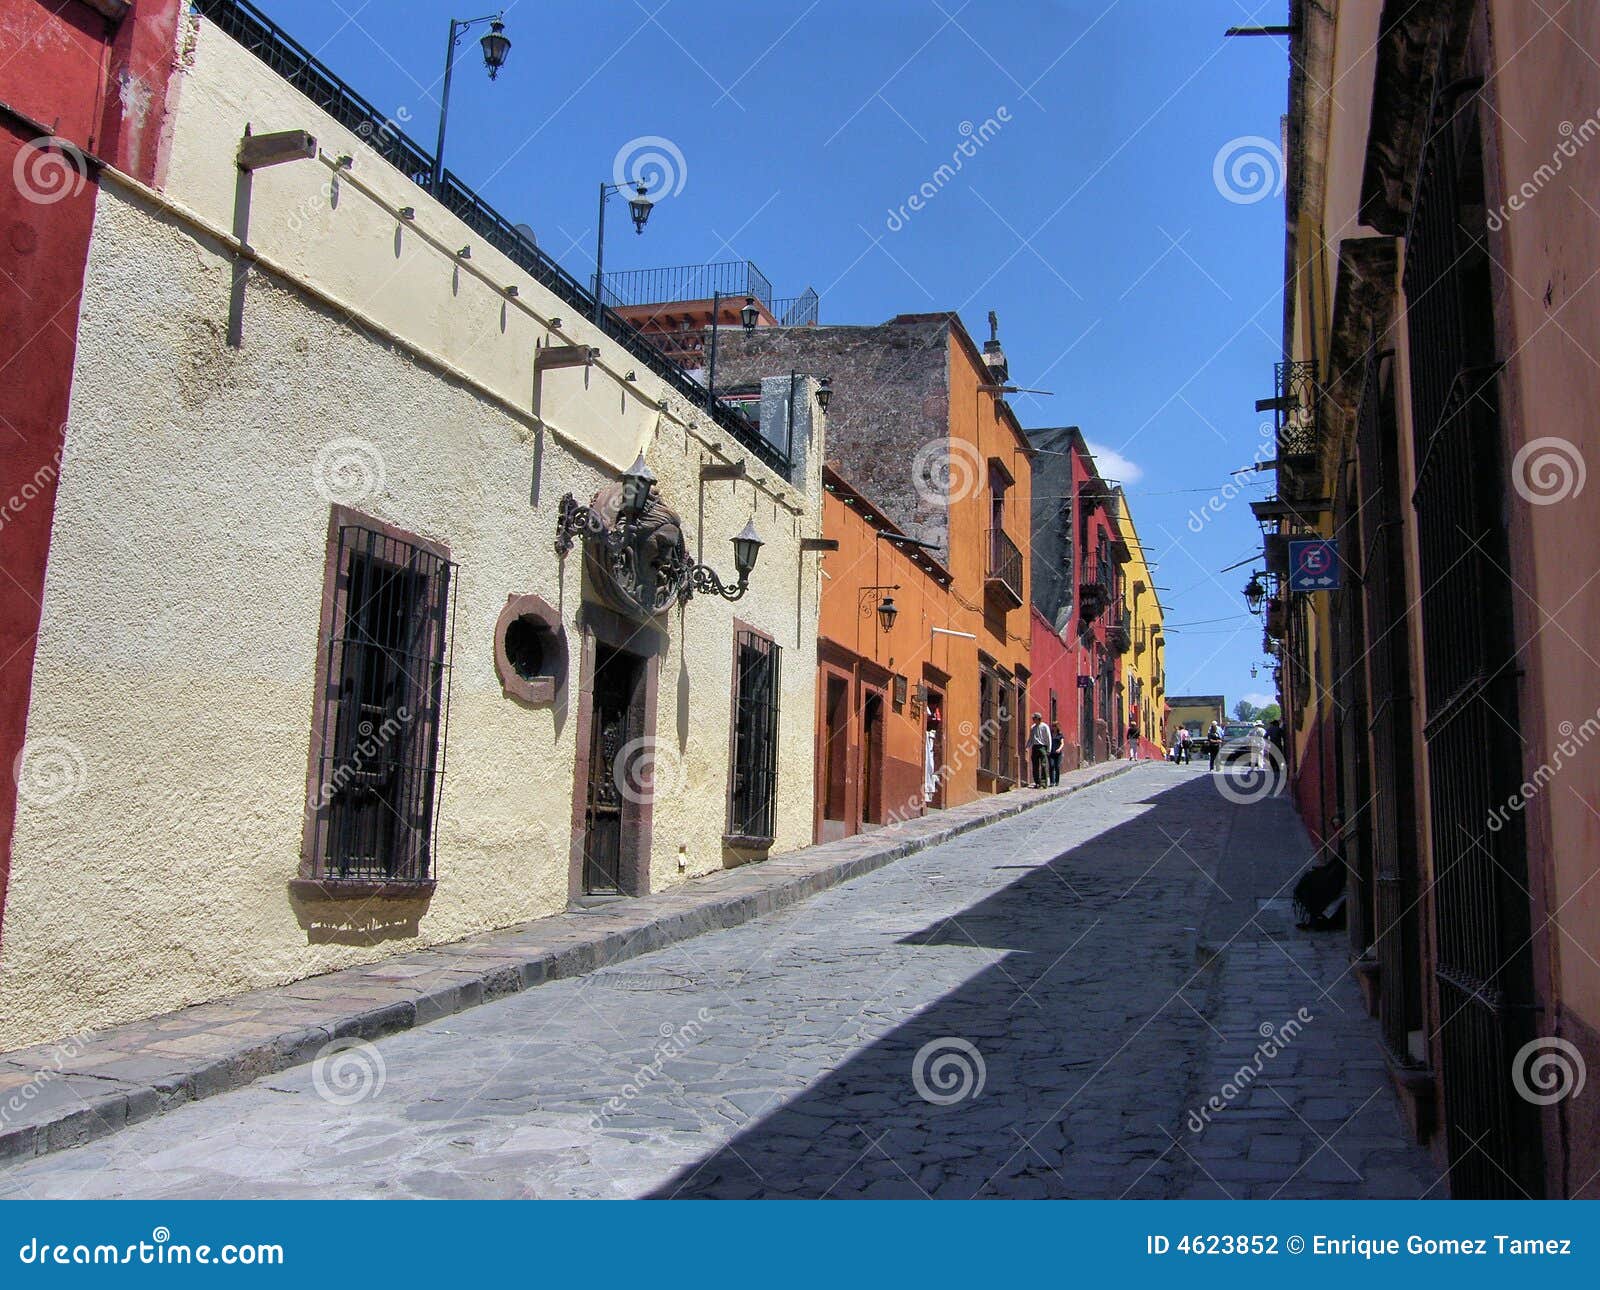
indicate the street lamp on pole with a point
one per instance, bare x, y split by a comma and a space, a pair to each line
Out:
496, 46
748, 317
639, 208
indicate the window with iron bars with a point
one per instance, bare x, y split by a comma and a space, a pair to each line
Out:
753, 778
988, 727
380, 719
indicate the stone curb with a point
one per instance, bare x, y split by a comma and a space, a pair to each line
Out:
56, 1096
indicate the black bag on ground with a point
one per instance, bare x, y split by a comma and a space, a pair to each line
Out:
1319, 896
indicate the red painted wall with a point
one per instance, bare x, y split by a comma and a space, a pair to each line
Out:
1054, 663
73, 88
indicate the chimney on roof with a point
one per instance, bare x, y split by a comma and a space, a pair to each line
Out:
993, 355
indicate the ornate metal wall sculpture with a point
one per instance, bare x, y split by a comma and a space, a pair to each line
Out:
635, 549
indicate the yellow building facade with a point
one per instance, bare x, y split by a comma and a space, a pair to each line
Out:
1144, 673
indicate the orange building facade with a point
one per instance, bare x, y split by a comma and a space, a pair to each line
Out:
885, 702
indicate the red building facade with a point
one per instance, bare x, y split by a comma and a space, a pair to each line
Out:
83, 84
1079, 637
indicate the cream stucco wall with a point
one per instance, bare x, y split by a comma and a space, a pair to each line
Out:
178, 642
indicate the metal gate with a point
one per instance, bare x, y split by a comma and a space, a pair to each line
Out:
1481, 906
1397, 920
613, 737
1351, 724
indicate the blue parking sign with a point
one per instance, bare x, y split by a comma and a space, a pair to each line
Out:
1314, 564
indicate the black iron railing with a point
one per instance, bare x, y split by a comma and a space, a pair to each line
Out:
1005, 564
796, 311
687, 282
1296, 399
1397, 927
753, 785
291, 60
381, 721
1482, 917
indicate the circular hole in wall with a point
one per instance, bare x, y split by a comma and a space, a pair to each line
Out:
530, 650
528, 644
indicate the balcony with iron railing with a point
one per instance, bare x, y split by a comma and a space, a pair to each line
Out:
634, 290
300, 68
1003, 576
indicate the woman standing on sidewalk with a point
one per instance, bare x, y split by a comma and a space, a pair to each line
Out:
1058, 743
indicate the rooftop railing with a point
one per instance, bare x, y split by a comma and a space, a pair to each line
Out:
262, 37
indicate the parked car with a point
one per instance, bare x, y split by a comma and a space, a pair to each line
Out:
1235, 743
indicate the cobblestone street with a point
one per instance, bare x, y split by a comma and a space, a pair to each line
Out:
1039, 1008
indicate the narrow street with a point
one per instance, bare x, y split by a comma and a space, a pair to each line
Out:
1038, 1008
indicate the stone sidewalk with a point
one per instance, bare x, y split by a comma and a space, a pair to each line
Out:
55, 1096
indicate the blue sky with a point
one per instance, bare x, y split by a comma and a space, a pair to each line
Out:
1133, 277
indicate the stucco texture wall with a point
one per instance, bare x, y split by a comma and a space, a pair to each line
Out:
178, 642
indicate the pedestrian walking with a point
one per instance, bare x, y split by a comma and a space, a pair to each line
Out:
1039, 739
1258, 743
1214, 738
1184, 740
1058, 744
1133, 741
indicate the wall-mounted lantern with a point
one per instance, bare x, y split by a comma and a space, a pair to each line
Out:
641, 561
825, 393
888, 611
1255, 593
749, 315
